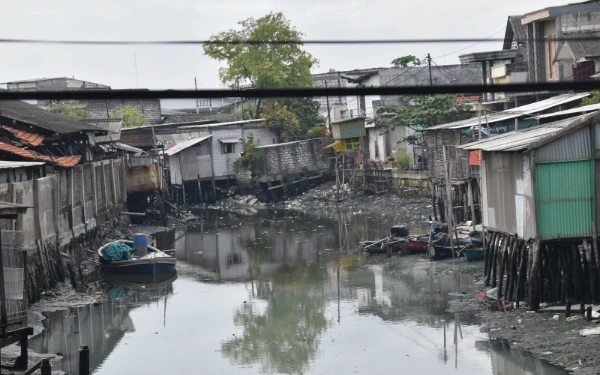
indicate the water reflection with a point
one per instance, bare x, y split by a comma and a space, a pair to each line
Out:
99, 326
286, 293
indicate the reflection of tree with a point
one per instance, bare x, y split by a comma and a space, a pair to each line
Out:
284, 337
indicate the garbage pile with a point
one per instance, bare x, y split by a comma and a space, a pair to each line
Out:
246, 205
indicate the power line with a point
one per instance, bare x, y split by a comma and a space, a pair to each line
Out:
472, 45
299, 42
297, 92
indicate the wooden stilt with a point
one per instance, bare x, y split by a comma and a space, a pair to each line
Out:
503, 261
577, 277
534, 287
513, 269
495, 260
522, 273
433, 196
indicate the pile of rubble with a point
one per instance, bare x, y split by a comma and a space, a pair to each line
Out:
244, 205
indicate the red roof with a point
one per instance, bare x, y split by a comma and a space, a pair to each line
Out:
468, 99
25, 137
61, 161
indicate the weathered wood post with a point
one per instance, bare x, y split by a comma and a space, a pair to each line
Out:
522, 273
84, 360
534, 279
46, 367
568, 310
588, 315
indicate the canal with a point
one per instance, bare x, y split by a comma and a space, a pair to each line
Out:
285, 293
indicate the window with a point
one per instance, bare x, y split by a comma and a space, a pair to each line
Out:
227, 148
353, 143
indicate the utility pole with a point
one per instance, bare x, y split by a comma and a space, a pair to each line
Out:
429, 64
197, 104
328, 109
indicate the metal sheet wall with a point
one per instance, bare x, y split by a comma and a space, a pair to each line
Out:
574, 146
563, 196
507, 185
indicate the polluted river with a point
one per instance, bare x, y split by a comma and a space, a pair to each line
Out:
285, 292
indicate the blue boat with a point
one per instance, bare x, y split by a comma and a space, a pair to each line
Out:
473, 254
155, 262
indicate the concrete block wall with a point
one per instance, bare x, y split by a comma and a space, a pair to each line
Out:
292, 157
67, 207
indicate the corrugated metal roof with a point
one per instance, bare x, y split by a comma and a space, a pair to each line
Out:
19, 164
25, 137
521, 140
33, 115
222, 124
62, 161
584, 109
182, 146
514, 112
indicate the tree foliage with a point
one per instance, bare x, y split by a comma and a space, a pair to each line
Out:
264, 65
593, 99
68, 109
131, 116
406, 61
281, 121
251, 157
306, 110
425, 111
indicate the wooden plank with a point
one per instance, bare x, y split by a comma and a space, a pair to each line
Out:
133, 213
33, 368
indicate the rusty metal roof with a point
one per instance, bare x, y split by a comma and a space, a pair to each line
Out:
531, 138
30, 114
524, 110
61, 161
25, 137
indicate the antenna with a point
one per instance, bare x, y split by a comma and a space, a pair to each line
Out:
137, 82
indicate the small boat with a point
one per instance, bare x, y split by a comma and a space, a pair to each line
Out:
473, 254
377, 247
442, 252
415, 245
153, 263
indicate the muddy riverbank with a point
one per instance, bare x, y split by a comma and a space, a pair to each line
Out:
556, 341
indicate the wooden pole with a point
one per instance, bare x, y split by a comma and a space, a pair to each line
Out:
449, 199
534, 287
46, 367
3, 316
503, 262
522, 273
588, 315
471, 203
435, 216
568, 309
200, 190
513, 268
84, 360
337, 176
577, 279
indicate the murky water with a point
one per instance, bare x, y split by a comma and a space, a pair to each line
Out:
274, 294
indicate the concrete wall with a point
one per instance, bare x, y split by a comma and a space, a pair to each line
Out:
223, 163
387, 142
401, 181
66, 207
292, 157
579, 21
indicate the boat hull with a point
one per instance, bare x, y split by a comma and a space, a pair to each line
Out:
139, 267
473, 255
414, 246
439, 252
159, 264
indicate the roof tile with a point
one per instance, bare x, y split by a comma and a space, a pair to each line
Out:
25, 137
61, 161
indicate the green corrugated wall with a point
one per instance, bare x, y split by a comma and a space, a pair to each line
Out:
564, 199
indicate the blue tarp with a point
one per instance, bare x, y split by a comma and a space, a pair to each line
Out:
117, 251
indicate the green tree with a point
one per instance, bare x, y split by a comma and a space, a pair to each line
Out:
424, 111
406, 61
131, 116
262, 65
251, 158
593, 99
306, 109
281, 121
71, 109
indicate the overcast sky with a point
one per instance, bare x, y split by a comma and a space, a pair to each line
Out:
175, 66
